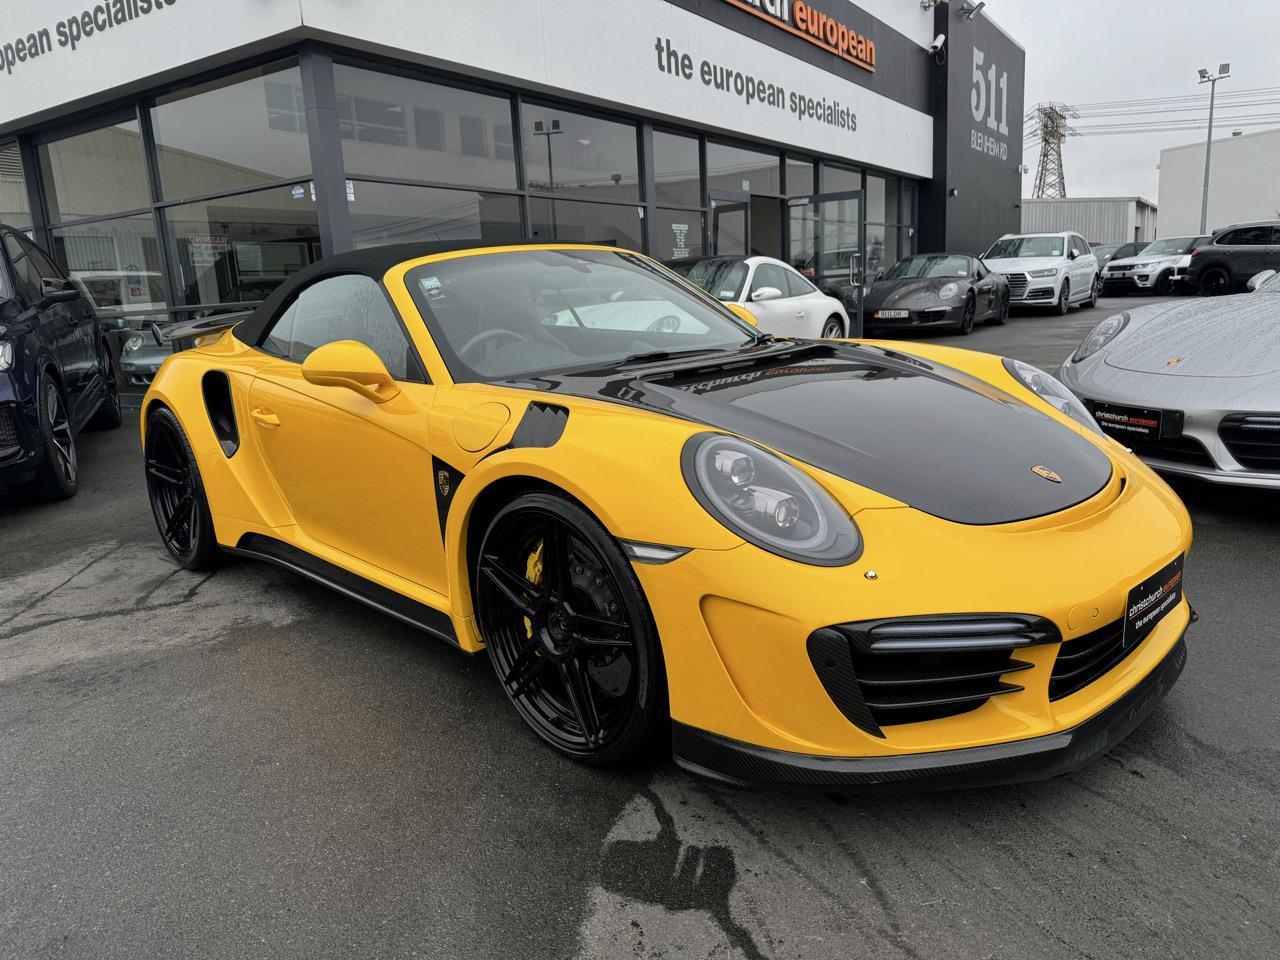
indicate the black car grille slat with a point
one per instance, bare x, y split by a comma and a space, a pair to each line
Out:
8, 433
1253, 440
1186, 450
910, 669
1083, 660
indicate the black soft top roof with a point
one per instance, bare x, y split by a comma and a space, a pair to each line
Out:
372, 262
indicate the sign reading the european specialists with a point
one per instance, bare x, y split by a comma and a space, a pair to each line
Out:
74, 30
802, 20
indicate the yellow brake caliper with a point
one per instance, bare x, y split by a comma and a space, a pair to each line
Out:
533, 573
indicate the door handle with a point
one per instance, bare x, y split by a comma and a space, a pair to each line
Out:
265, 418
800, 314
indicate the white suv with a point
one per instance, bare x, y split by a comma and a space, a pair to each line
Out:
1052, 269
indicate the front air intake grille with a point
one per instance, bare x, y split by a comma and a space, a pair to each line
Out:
1253, 439
1186, 450
885, 672
8, 433
1017, 285
1085, 659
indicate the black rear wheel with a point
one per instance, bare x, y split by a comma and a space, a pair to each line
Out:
1001, 313
109, 415
965, 326
177, 494
1064, 298
568, 630
1215, 282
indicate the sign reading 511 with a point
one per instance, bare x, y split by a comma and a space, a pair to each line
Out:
982, 103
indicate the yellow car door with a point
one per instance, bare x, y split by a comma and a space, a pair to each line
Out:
355, 472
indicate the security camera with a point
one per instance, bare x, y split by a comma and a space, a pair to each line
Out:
939, 42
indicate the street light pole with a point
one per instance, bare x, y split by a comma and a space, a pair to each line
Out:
1224, 71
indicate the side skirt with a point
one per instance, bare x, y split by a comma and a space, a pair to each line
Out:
433, 621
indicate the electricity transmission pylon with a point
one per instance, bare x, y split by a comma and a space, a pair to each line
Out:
1052, 128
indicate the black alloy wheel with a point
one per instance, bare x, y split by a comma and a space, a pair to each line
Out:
58, 473
177, 494
568, 630
1215, 282
968, 316
1064, 299
1164, 284
833, 329
1001, 314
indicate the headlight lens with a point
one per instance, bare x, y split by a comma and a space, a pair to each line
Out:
1102, 334
767, 501
948, 290
1043, 274
133, 343
6, 355
1140, 266
1051, 390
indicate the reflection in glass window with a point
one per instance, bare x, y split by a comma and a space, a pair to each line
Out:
882, 248
232, 133
240, 248
677, 233
677, 171
393, 213
882, 200
96, 173
566, 152
747, 171
14, 209
117, 265
394, 126
840, 179
577, 222
800, 178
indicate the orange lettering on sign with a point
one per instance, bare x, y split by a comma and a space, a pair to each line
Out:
822, 31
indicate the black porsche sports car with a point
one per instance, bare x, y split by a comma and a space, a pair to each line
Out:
932, 290
56, 373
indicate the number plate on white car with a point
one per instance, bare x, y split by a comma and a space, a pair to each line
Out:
892, 314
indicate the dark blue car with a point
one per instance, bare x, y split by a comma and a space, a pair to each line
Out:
56, 374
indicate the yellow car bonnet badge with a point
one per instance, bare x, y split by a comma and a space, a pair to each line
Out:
1043, 471
1174, 361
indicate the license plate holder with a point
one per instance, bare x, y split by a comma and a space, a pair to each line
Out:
892, 314
1136, 423
1151, 600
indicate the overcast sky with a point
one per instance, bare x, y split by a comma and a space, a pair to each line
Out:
1089, 51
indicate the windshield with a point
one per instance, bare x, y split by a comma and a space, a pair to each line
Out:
500, 316
1105, 250
1011, 247
722, 277
910, 268
1171, 246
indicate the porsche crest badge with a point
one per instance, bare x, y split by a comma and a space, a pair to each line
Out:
1051, 475
1174, 361
443, 482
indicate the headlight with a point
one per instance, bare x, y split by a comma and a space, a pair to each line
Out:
767, 501
1051, 390
1102, 334
1042, 274
1140, 266
6, 355
947, 291
133, 343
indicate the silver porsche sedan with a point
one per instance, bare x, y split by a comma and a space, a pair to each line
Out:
1192, 387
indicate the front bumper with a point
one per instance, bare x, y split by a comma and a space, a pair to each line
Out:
931, 318
17, 457
742, 764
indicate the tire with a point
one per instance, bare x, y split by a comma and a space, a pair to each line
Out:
1215, 282
833, 329
1064, 299
569, 631
1164, 285
108, 416
58, 473
177, 494
965, 327
1001, 314
1094, 294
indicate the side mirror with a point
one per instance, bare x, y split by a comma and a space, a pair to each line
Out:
879, 276
1073, 255
57, 290
1258, 279
742, 313
766, 293
346, 363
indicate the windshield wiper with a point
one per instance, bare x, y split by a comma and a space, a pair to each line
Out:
650, 356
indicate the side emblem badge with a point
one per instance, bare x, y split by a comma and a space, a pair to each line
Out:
1051, 475
1174, 361
442, 482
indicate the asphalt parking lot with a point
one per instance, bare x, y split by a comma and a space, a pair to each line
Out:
246, 765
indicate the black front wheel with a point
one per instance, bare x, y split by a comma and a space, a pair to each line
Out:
177, 494
1001, 313
569, 631
965, 326
58, 472
1164, 284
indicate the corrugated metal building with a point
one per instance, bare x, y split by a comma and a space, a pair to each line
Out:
1100, 219
1242, 185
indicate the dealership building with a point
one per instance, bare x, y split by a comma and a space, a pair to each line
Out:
180, 156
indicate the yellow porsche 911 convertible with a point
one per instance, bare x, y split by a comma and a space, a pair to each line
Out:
802, 563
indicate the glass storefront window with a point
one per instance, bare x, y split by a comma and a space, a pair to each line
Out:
394, 213
882, 199
744, 171
96, 173
14, 209
566, 152
840, 179
239, 248
576, 222
882, 248
677, 234
408, 129
800, 178
116, 263
232, 133
677, 172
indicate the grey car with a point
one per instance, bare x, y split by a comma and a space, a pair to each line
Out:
1192, 387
